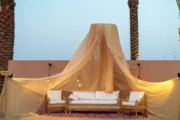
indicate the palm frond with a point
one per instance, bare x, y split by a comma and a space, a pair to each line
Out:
178, 3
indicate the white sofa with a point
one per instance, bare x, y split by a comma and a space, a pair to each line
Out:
55, 100
94, 101
136, 103
133, 98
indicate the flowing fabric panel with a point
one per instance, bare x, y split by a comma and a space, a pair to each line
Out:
85, 66
161, 96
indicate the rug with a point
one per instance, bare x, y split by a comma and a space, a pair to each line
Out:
97, 115
80, 116
44, 117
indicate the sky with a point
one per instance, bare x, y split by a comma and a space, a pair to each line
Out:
46, 30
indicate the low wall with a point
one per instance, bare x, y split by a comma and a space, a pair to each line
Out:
154, 71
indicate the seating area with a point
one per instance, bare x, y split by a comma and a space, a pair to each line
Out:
95, 101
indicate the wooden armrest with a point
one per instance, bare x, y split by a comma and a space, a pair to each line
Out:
48, 100
136, 103
69, 100
122, 100
64, 98
142, 101
127, 98
119, 101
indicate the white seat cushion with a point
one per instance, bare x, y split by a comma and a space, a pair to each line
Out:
94, 102
54, 95
85, 95
135, 96
101, 95
57, 102
128, 103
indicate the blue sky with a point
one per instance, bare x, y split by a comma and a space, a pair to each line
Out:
47, 30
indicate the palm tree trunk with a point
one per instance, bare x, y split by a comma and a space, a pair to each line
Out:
6, 35
134, 35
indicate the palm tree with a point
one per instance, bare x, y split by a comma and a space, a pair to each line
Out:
134, 38
6, 34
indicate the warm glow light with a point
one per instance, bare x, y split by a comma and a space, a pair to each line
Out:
79, 85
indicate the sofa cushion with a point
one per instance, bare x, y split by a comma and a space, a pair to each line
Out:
73, 97
128, 103
135, 96
85, 95
101, 95
57, 102
94, 102
54, 95
108, 98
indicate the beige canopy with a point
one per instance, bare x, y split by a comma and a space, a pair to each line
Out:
98, 64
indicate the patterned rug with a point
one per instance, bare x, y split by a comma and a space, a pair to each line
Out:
98, 115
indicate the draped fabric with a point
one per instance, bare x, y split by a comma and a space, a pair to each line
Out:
98, 64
